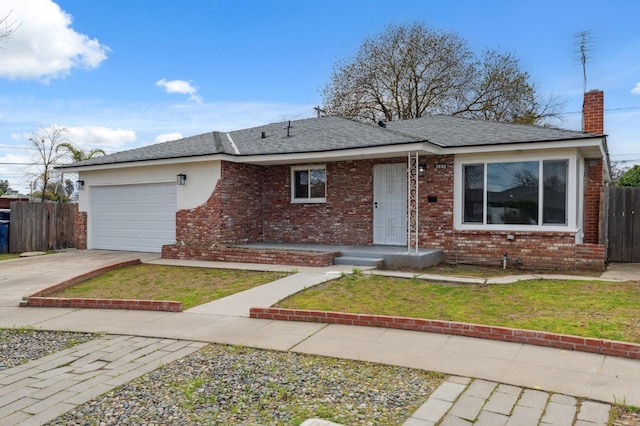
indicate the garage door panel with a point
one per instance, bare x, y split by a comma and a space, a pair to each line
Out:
134, 217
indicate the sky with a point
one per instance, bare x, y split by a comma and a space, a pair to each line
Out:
120, 74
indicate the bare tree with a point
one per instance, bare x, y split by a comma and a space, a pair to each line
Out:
8, 26
616, 170
46, 142
408, 71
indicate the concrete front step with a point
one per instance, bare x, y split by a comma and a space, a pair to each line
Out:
359, 261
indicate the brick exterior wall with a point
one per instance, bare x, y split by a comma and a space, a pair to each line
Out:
345, 218
539, 338
593, 202
233, 213
252, 203
80, 230
233, 254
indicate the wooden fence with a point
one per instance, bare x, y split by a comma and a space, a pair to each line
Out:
41, 226
623, 240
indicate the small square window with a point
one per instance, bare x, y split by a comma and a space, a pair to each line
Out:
308, 184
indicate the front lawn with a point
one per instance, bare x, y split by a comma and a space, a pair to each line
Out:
7, 256
191, 286
582, 308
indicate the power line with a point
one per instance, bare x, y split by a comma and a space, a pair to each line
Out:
606, 110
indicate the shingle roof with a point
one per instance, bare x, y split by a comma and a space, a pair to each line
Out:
335, 133
449, 132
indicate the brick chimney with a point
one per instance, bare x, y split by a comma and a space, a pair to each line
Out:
593, 112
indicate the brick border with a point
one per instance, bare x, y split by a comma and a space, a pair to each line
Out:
78, 302
538, 338
40, 299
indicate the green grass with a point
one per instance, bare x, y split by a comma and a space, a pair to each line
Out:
583, 308
7, 256
191, 286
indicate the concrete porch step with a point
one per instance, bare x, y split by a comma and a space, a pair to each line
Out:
359, 261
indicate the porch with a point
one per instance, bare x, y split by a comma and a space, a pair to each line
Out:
376, 256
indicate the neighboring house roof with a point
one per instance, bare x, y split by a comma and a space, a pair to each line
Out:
336, 133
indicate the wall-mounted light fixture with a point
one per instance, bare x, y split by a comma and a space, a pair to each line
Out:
80, 184
422, 169
181, 179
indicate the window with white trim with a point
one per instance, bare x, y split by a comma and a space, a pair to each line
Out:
308, 184
515, 193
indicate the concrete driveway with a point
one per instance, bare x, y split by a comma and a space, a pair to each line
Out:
27, 275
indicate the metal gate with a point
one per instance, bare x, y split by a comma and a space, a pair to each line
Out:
623, 241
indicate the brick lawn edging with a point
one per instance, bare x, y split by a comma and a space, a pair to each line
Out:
39, 299
82, 302
539, 338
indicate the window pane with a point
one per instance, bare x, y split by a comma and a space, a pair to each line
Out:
473, 193
301, 184
512, 193
554, 203
318, 183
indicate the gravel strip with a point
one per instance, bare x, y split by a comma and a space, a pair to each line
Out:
19, 345
225, 385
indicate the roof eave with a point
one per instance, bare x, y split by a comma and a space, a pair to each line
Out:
591, 145
144, 163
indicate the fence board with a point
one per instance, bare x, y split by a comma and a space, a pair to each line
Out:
623, 243
41, 226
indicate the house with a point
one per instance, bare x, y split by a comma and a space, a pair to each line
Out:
474, 189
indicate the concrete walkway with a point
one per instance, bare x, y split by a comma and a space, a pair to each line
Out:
530, 372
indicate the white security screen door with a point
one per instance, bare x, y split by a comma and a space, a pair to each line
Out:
390, 204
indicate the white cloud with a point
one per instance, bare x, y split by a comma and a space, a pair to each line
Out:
636, 90
180, 86
166, 137
100, 137
44, 45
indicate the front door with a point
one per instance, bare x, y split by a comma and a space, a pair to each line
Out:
390, 204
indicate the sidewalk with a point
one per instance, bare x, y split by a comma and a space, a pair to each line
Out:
575, 374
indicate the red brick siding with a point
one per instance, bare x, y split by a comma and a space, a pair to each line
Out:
239, 211
269, 257
539, 338
590, 256
534, 249
436, 217
345, 218
233, 213
593, 205
80, 230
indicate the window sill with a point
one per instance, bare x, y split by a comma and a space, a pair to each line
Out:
308, 201
515, 228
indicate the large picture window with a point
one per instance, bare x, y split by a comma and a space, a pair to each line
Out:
308, 184
515, 193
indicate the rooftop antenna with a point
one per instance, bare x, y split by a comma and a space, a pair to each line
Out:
584, 49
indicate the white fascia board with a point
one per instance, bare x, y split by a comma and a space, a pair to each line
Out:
145, 163
587, 146
341, 155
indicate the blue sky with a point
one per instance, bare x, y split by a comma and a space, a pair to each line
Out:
122, 74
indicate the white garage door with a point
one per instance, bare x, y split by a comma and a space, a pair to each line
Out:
134, 217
